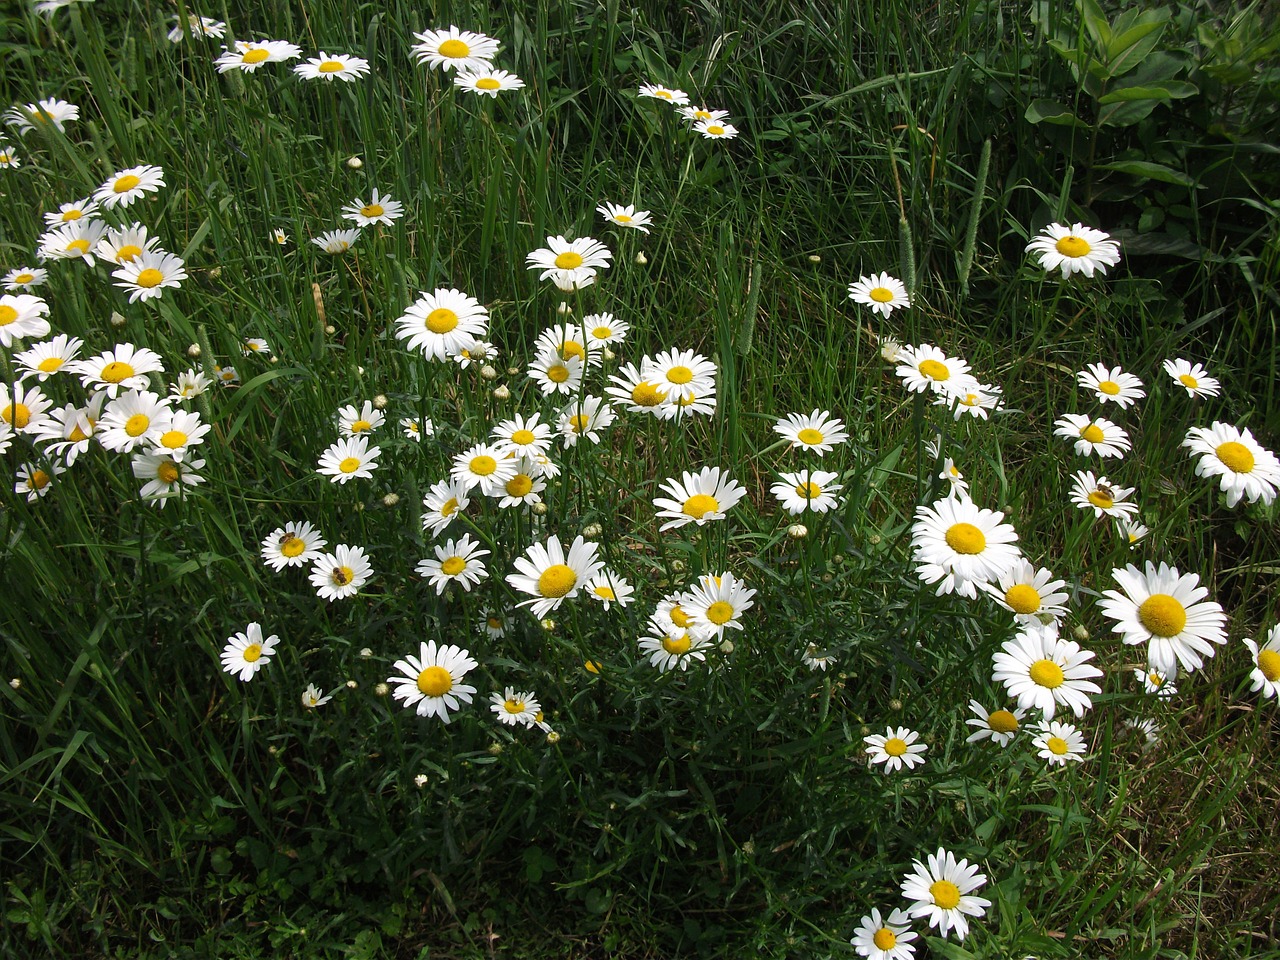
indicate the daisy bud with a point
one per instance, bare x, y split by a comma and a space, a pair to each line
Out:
273, 749
609, 354
513, 371
1081, 632
380, 402
564, 308
895, 705
500, 392
420, 781
553, 738
355, 163
381, 690
273, 359
193, 350
360, 371
814, 258
827, 578
488, 373
874, 539
838, 559
797, 531
117, 319
366, 652
539, 509
330, 329
548, 624
351, 685
749, 848
726, 647
591, 531
16, 682
641, 259
391, 499
215, 273
494, 749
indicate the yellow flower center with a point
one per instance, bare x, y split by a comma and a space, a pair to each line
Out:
18, 414
934, 370
1023, 598
591, 666
720, 613
622, 217
558, 373
341, 576
434, 682
881, 294
810, 491
680, 375
699, 505
7, 314
513, 706
895, 746
483, 465
571, 348
50, 364
292, 546
23, 278
523, 437
126, 183
1101, 500
1162, 615
1109, 387
1155, 679
80, 247
965, 538
1002, 721
1269, 664
349, 464
602, 333
1047, 674
1235, 456
1056, 745
69, 216
117, 372
1188, 381
454, 48
677, 646
331, 66
1073, 247
884, 939
167, 472
715, 130
173, 439
38, 480
557, 580
578, 422
252, 653
137, 425
519, 485
645, 394
77, 434
127, 253
810, 436
679, 617
372, 210
605, 592
1093, 433
945, 894
361, 426
453, 566
256, 55
441, 320
702, 114
569, 260
450, 508
662, 94
487, 83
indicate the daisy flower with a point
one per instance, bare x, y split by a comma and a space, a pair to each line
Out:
570, 265
485, 466
442, 323
335, 242
1097, 494
379, 209
1032, 595
70, 431
1111, 384
1156, 683
1076, 249
495, 624
694, 114
1192, 377
550, 577
457, 561
255, 346
1058, 743
339, 66
123, 367
182, 431
807, 490
958, 545
1093, 435
134, 421
72, 211
22, 316
879, 939
9, 159
25, 409
190, 385
77, 240
1000, 726
348, 458
688, 403
249, 55
698, 497
123, 188
24, 278
957, 485
293, 545
626, 216
926, 368
246, 653
712, 130
522, 436
1168, 612
1248, 469
443, 502
512, 708
881, 292
125, 244
896, 748
430, 682
943, 892
671, 648
817, 432
455, 49
715, 603
279, 236
1132, 531
677, 98
28, 116
147, 274
227, 376
35, 481
314, 697
602, 328
415, 430
680, 374
42, 360
584, 417
1045, 671
341, 574
165, 476
567, 340
608, 588
1265, 675
525, 486
198, 26
555, 374
815, 658
352, 422
636, 391
487, 82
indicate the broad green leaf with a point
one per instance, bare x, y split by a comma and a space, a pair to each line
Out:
1127, 50
1050, 111
1152, 171
1172, 90
1095, 21
1125, 114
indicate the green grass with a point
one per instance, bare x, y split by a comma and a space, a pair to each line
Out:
158, 807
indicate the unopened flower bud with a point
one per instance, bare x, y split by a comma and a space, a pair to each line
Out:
215, 273
609, 354
420, 781
391, 499
193, 350
117, 319
513, 371
564, 308
330, 329
895, 705
366, 651
726, 647
351, 684
488, 373
553, 738
814, 258
495, 749
797, 531
380, 402
591, 531
355, 163
16, 683
1081, 632
548, 624
381, 690
539, 509
501, 392
641, 259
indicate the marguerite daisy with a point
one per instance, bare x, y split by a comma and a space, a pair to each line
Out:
123, 188
338, 66
1058, 743
959, 545
1247, 469
348, 458
1167, 611
550, 577
379, 209
1001, 726
570, 265
943, 892
895, 748
698, 497
1192, 377
878, 938
1101, 496
430, 682
817, 432
1044, 671
1093, 435
1076, 249
147, 274
341, 574
456, 561
455, 49
293, 545
246, 653
881, 292
626, 216
443, 322
249, 55
669, 95
1265, 675
1111, 384
487, 82
807, 490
